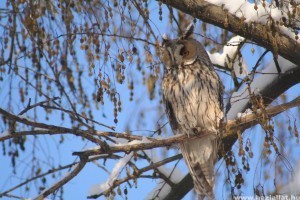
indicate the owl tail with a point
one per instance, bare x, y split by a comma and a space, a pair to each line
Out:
200, 156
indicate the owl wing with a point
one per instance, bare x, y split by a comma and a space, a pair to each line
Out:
171, 116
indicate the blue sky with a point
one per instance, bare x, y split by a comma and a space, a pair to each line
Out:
51, 154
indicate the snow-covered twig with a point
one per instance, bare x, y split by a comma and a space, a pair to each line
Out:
136, 174
244, 22
113, 176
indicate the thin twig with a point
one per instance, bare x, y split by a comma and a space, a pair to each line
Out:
51, 127
52, 171
138, 173
64, 180
77, 114
12, 34
28, 107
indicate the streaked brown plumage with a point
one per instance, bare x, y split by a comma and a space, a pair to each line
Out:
193, 94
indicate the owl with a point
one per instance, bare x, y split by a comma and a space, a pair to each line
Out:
193, 98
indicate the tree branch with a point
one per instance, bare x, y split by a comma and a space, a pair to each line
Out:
33, 132
259, 33
186, 183
67, 178
5, 193
237, 124
53, 128
28, 107
280, 85
181, 189
228, 141
137, 174
232, 126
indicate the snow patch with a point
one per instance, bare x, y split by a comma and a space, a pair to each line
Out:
162, 188
175, 175
227, 54
262, 13
97, 189
244, 114
124, 142
5, 133
240, 98
160, 191
40, 129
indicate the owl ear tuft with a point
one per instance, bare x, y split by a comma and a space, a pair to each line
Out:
188, 31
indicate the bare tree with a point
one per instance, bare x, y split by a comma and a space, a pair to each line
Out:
91, 71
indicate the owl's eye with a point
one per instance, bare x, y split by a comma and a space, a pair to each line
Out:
184, 51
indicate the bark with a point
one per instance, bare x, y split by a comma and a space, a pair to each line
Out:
274, 39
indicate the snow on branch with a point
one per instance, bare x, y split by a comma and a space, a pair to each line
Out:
243, 18
137, 172
237, 124
228, 55
263, 13
98, 189
240, 98
173, 174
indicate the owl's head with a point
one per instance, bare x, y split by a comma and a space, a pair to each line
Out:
181, 51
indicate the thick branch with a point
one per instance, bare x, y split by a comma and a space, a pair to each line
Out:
33, 132
237, 124
252, 119
259, 33
280, 85
271, 92
134, 147
228, 141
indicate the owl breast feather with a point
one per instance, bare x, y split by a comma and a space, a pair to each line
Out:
193, 97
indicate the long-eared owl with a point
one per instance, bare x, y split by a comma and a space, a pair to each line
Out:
193, 98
